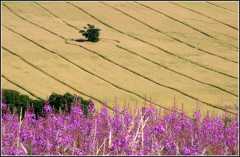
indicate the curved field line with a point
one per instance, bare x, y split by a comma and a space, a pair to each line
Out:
174, 38
172, 70
192, 27
63, 21
23, 59
155, 82
197, 12
51, 76
55, 15
151, 44
186, 24
228, 36
83, 69
23, 18
137, 54
220, 7
19, 86
140, 75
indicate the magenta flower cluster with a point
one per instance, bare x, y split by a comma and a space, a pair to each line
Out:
147, 132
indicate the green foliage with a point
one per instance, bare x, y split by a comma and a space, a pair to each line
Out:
16, 101
91, 33
11, 107
55, 101
64, 102
69, 100
10, 96
61, 102
38, 107
85, 104
24, 100
22, 104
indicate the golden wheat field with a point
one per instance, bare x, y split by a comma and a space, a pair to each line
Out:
148, 51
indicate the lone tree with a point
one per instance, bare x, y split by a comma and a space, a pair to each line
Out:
91, 33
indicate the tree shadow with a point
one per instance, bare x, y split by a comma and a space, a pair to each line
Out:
80, 40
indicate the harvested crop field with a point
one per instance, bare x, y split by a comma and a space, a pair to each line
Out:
148, 51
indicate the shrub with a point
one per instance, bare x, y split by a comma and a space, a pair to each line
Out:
69, 98
23, 103
38, 107
85, 104
91, 33
10, 96
61, 102
16, 101
19, 103
64, 102
56, 101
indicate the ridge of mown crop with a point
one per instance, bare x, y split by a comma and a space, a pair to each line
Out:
218, 6
21, 87
202, 14
130, 51
192, 27
172, 37
80, 67
56, 79
151, 44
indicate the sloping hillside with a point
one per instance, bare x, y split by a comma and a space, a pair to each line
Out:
153, 51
